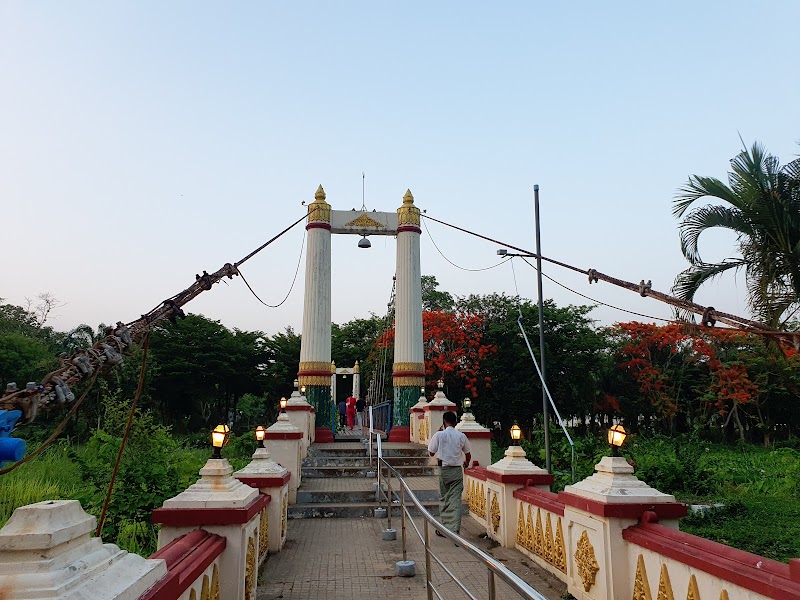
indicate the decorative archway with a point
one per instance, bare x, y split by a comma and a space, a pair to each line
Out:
315, 369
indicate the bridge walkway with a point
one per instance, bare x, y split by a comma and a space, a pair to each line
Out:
345, 558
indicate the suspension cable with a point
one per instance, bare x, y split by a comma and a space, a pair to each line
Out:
709, 313
291, 287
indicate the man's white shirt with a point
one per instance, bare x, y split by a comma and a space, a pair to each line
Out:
449, 445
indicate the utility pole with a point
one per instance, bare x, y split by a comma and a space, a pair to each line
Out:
545, 411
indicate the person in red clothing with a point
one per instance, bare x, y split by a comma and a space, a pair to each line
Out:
351, 412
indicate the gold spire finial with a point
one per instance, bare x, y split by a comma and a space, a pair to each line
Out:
408, 214
319, 210
355, 368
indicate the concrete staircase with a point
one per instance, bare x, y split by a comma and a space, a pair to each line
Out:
338, 480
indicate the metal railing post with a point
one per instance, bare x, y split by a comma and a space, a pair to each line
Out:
388, 497
428, 561
403, 521
492, 593
380, 491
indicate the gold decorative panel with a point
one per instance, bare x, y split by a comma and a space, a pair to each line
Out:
204, 591
641, 585
559, 550
215, 583
423, 430
665, 585
692, 593
250, 569
587, 563
548, 541
495, 513
263, 534
541, 542
538, 542
365, 221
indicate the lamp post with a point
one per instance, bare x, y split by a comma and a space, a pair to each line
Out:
302, 390
260, 434
467, 404
440, 384
296, 385
219, 437
283, 404
616, 437
516, 434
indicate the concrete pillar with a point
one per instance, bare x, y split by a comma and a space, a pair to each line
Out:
356, 381
596, 510
511, 472
301, 415
315, 347
409, 358
269, 478
480, 438
46, 551
219, 504
433, 414
283, 440
417, 418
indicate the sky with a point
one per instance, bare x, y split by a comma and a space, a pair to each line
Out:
141, 143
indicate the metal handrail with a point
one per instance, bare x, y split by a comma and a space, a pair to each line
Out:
494, 567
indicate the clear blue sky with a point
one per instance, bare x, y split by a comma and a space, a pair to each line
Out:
141, 143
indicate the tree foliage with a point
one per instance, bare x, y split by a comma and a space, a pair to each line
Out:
761, 205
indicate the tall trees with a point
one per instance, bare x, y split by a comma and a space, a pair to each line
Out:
761, 205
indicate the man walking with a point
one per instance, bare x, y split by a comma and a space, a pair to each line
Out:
449, 444
360, 405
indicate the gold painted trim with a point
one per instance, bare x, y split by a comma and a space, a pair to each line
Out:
692, 593
263, 534
204, 589
403, 367
560, 550
587, 563
641, 585
494, 510
665, 585
314, 365
215, 583
365, 221
250, 569
314, 380
403, 381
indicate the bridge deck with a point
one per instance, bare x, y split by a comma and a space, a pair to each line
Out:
345, 559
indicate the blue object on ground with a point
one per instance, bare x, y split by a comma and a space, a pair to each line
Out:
11, 449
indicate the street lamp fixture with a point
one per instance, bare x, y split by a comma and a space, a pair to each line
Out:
616, 437
260, 435
296, 384
516, 434
303, 390
284, 402
219, 437
440, 384
467, 404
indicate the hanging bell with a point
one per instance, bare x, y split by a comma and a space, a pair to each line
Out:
364, 243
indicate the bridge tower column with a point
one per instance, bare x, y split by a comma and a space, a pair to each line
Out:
315, 347
409, 361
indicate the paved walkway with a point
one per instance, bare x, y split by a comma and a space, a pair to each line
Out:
341, 559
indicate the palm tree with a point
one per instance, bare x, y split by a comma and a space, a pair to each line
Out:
761, 204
